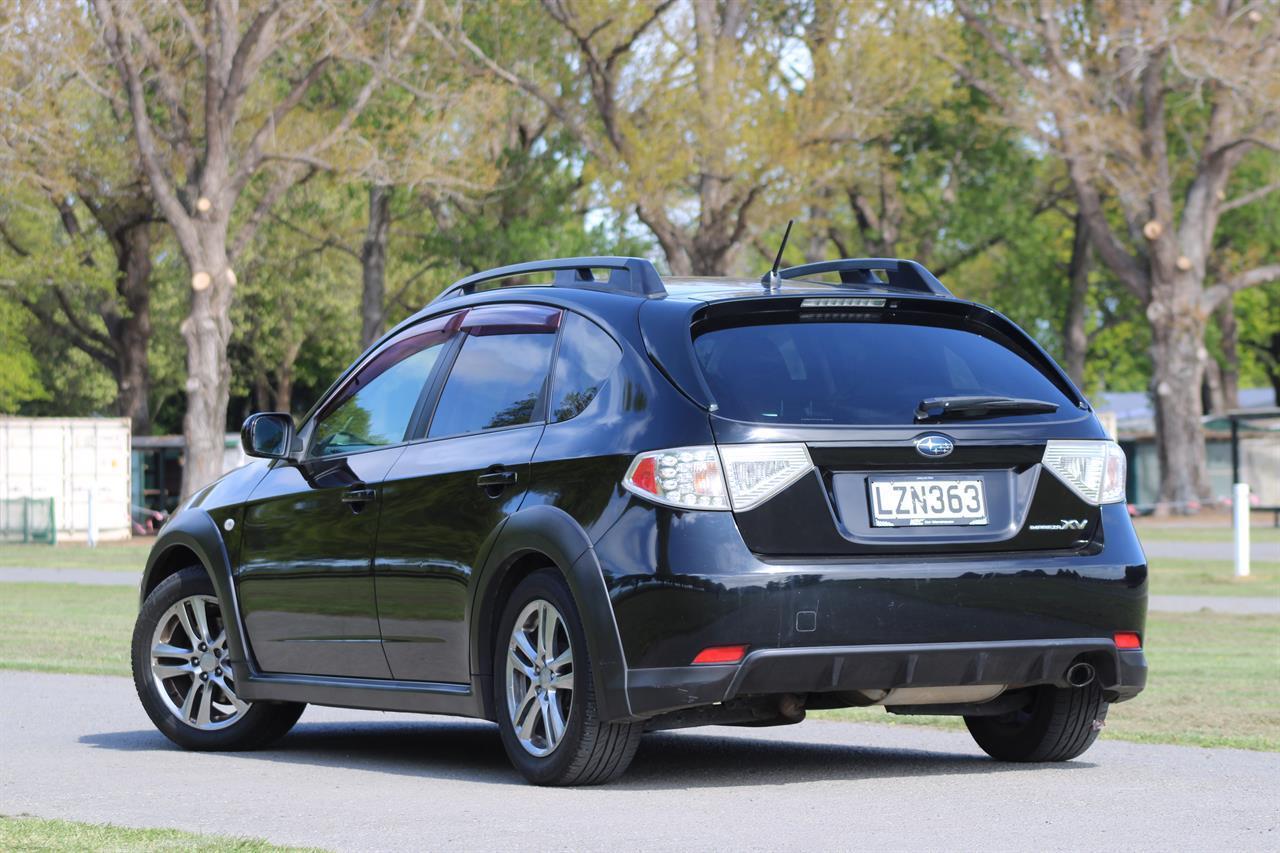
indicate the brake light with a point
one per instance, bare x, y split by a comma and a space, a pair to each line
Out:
687, 477
740, 476
1094, 470
721, 654
1127, 640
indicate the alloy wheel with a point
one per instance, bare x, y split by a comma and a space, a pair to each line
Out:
539, 677
189, 665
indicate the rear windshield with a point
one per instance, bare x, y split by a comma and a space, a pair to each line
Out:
855, 373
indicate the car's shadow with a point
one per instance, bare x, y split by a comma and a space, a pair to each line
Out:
471, 751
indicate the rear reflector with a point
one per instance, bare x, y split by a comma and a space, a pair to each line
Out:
1127, 640
721, 654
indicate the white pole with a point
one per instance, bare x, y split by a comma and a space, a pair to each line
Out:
92, 530
1240, 521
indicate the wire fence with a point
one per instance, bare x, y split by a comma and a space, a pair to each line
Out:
28, 520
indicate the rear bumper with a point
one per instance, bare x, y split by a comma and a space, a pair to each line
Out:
682, 582
1014, 664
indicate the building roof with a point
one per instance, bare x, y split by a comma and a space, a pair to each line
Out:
1135, 416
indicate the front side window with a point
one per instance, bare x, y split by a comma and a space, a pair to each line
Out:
496, 381
586, 358
376, 406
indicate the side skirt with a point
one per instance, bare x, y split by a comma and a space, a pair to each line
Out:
422, 697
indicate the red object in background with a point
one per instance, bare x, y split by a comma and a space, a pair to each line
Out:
1127, 640
721, 654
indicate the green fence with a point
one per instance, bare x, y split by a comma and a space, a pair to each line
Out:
28, 520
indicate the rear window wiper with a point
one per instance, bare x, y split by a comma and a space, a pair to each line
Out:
942, 408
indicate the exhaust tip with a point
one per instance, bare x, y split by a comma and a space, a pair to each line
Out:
1080, 674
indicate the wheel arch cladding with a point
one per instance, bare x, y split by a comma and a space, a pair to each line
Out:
192, 538
167, 563
534, 538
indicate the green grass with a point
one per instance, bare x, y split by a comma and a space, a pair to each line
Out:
66, 628
1213, 577
1215, 678
128, 556
1214, 681
30, 833
1192, 532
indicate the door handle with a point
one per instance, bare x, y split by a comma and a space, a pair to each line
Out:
490, 479
358, 496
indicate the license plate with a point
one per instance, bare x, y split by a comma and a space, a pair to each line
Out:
927, 501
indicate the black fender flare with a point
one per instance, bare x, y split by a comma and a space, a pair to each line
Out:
554, 534
196, 531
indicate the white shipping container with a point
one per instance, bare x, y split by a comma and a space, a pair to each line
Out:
67, 459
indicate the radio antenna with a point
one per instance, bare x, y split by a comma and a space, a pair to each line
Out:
770, 279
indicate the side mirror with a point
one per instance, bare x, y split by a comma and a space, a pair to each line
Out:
268, 435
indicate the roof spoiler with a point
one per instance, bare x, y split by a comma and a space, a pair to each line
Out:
901, 274
636, 276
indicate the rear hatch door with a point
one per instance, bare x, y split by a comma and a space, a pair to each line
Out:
890, 477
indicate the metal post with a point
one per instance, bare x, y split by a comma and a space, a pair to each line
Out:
93, 523
1240, 521
1235, 449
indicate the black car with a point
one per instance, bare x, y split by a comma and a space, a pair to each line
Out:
615, 503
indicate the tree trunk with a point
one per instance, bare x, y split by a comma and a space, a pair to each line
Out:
207, 332
819, 224
262, 393
1211, 399
284, 388
1075, 340
1177, 356
1230, 354
133, 333
1271, 363
373, 265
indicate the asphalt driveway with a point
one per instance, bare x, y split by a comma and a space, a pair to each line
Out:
80, 747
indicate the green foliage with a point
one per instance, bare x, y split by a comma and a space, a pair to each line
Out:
815, 107
535, 211
19, 373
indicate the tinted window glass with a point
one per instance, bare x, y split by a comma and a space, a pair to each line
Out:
375, 408
586, 358
495, 382
858, 373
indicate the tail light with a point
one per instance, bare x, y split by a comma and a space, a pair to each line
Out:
1094, 470
737, 476
687, 477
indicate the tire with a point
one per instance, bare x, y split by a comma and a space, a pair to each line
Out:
588, 751
168, 620
1058, 724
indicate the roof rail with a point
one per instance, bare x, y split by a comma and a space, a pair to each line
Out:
626, 275
902, 274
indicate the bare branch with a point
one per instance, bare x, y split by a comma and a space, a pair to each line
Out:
478, 58
1249, 197
161, 184
252, 157
7, 236
329, 242
1252, 278
192, 28
246, 60
106, 358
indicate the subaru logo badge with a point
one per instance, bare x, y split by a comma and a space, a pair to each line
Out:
934, 445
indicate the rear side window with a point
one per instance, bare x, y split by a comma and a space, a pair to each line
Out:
856, 373
496, 381
586, 358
